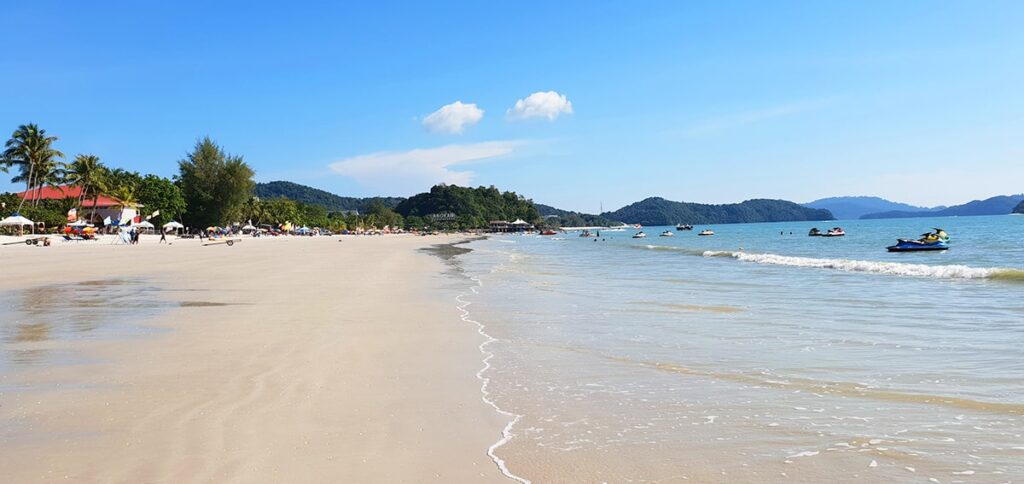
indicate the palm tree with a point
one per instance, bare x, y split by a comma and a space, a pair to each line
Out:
32, 152
88, 173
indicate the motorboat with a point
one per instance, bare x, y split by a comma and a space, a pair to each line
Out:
931, 241
835, 232
549, 232
707, 232
667, 233
684, 227
638, 226
640, 235
815, 232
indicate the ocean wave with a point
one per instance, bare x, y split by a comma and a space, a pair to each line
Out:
877, 267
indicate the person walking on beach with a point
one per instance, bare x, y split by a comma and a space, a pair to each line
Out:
163, 237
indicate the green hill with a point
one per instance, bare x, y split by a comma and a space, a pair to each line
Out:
658, 211
460, 207
1019, 208
1000, 205
321, 198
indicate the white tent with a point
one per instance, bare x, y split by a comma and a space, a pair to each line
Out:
172, 225
248, 227
143, 225
520, 221
17, 220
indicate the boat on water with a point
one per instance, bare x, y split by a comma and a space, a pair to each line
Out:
815, 232
684, 227
549, 232
586, 233
931, 241
835, 232
667, 233
707, 232
638, 226
640, 235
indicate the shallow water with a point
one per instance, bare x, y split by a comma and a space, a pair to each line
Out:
754, 355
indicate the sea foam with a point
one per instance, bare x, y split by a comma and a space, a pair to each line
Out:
876, 267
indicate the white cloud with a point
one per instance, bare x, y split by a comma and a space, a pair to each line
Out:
548, 105
453, 118
420, 168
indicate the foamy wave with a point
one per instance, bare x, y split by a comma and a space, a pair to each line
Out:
876, 267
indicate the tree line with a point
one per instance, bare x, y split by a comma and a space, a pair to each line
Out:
215, 188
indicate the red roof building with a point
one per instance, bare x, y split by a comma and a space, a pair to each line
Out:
64, 191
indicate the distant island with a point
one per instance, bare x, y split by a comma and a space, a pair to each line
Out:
1019, 208
658, 211
851, 208
999, 205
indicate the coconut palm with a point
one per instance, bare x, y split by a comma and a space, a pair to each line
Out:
126, 195
88, 173
32, 152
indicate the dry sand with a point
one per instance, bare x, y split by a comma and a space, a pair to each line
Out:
291, 360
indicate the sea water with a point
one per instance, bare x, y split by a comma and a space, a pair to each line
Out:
759, 353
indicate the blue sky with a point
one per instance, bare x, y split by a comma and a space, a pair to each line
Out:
715, 102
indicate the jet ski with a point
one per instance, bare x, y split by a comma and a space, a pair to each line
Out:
667, 233
707, 232
938, 240
640, 235
835, 232
815, 232
684, 227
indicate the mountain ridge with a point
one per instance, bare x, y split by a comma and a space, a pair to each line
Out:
997, 205
853, 207
315, 196
659, 211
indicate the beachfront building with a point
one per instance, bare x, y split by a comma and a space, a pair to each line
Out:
94, 208
503, 226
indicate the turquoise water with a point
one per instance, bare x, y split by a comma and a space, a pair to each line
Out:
758, 355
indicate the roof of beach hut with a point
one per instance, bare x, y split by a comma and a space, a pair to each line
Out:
16, 220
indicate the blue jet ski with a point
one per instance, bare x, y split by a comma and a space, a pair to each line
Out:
937, 240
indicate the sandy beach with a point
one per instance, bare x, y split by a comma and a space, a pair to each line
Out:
275, 360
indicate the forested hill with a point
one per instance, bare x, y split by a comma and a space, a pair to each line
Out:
565, 218
470, 207
321, 198
658, 211
850, 208
1000, 205
1019, 208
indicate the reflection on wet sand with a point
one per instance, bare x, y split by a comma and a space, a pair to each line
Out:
34, 318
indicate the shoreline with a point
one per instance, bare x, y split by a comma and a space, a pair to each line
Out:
306, 359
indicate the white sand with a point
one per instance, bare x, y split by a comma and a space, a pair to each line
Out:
331, 362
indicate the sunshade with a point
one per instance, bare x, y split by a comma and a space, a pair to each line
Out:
15, 220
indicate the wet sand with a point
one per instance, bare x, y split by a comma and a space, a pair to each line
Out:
276, 360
